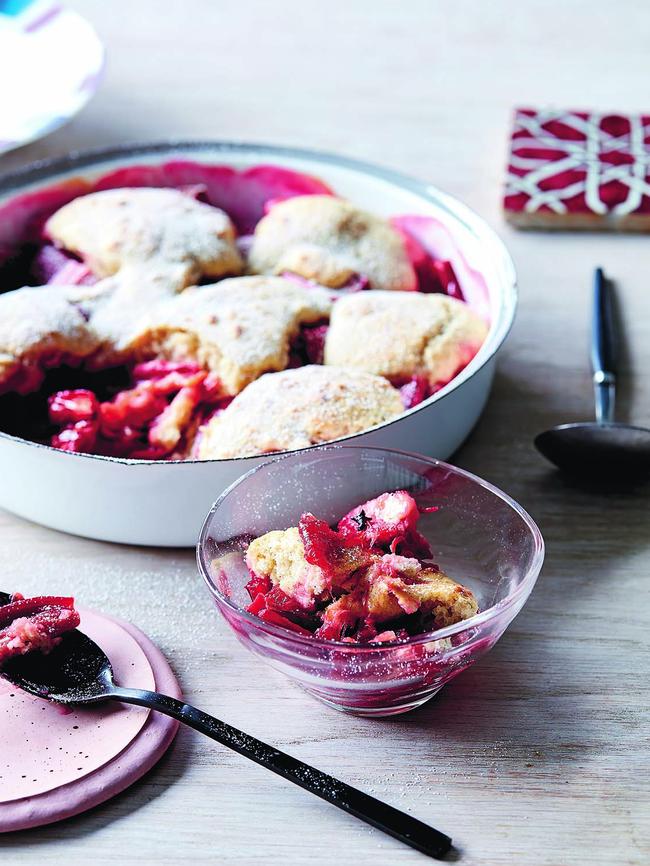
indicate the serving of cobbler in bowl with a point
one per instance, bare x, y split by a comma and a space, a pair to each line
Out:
205, 304
370, 577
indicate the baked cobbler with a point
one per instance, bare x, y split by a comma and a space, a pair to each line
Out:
130, 329
369, 580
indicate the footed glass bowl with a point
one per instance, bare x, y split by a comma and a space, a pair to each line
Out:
480, 537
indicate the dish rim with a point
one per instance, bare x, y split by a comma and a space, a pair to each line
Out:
524, 588
14, 181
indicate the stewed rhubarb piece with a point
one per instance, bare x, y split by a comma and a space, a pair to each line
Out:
337, 555
147, 421
381, 520
31, 624
414, 391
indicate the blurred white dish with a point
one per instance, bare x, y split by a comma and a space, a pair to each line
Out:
51, 62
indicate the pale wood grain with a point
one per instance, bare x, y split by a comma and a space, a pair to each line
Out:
539, 754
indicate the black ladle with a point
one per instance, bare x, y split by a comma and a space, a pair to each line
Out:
600, 448
78, 672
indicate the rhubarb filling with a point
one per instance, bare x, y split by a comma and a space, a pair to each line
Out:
147, 411
34, 624
155, 410
371, 579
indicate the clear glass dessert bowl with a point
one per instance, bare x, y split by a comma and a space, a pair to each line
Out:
479, 536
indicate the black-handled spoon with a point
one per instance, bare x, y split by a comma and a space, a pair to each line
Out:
77, 671
604, 349
600, 449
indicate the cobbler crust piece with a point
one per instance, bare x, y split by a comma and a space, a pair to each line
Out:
355, 583
144, 245
280, 556
392, 589
296, 409
40, 327
330, 241
119, 227
238, 329
401, 336
397, 586
578, 169
125, 298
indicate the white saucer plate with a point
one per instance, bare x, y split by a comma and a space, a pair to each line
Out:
51, 62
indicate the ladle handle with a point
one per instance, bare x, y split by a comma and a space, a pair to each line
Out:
603, 349
405, 827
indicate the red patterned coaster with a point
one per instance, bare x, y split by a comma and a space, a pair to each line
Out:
579, 170
56, 762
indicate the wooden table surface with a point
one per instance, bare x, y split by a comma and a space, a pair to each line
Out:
539, 753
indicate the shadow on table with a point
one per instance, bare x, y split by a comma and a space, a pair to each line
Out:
542, 695
508, 706
584, 522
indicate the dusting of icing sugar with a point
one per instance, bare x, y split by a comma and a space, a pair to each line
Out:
138, 587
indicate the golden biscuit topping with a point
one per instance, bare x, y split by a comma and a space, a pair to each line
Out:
116, 228
402, 336
296, 409
238, 328
330, 241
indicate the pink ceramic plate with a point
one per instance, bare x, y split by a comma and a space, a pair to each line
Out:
57, 763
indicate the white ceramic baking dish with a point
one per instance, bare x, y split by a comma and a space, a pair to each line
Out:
164, 504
